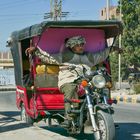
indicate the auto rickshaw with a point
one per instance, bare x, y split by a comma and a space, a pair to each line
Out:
37, 94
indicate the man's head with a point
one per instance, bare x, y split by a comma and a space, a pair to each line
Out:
76, 44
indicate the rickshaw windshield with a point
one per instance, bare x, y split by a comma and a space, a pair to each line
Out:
52, 41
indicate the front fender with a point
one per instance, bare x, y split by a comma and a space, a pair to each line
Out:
104, 107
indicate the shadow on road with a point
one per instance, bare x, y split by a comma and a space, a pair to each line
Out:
129, 131
9, 122
59, 130
10, 113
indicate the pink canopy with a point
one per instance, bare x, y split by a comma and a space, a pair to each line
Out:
52, 40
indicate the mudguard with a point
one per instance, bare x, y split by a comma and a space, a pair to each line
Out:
104, 107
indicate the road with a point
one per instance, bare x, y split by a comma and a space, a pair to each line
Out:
126, 116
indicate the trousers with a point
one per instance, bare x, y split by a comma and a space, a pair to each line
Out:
70, 92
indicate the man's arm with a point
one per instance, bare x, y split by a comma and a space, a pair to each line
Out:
102, 55
99, 56
44, 56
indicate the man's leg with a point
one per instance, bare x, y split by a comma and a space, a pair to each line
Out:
69, 90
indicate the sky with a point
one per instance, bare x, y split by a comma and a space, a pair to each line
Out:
18, 14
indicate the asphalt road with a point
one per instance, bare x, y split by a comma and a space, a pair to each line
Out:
126, 116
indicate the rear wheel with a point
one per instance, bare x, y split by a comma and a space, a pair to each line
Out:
106, 126
24, 116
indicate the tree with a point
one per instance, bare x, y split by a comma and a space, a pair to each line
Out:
131, 34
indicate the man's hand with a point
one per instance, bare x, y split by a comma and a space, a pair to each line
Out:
30, 50
118, 50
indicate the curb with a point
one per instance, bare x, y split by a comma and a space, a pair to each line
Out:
127, 99
4, 88
119, 98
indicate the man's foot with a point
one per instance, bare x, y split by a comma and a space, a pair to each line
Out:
66, 123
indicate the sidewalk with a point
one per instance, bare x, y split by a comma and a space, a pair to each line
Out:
7, 87
124, 96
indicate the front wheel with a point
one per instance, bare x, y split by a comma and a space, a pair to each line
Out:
106, 125
24, 116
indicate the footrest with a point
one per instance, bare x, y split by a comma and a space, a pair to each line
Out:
74, 111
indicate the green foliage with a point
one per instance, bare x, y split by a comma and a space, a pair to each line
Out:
130, 39
114, 66
137, 88
131, 34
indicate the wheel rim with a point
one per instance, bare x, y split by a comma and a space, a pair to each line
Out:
102, 128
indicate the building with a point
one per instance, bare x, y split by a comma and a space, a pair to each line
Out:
113, 13
6, 60
5, 55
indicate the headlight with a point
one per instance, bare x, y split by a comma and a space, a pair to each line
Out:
109, 84
98, 81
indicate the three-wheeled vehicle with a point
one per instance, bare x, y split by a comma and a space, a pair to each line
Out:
37, 94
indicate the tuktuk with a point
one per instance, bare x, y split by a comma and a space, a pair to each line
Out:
37, 94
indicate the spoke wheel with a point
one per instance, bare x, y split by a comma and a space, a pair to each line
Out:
106, 126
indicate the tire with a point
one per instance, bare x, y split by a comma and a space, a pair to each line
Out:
106, 126
24, 116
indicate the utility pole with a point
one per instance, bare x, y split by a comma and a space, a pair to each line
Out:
107, 9
120, 40
55, 11
108, 17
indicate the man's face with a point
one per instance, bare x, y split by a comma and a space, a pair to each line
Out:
79, 48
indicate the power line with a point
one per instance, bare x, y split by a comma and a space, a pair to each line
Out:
9, 3
23, 14
16, 4
11, 20
19, 17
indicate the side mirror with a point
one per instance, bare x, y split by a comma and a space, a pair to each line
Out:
9, 42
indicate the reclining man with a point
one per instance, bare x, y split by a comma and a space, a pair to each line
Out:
74, 56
